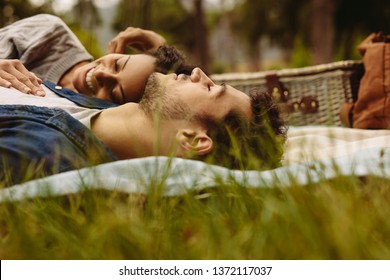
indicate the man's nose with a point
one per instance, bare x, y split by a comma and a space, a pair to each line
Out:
198, 75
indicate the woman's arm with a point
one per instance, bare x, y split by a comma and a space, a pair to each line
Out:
140, 39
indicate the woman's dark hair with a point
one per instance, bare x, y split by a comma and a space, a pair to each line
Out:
170, 59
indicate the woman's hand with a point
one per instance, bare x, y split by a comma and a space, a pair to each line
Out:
14, 74
140, 39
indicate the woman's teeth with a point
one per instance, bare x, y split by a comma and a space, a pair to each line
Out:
88, 79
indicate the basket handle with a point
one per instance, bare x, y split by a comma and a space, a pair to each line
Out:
276, 87
306, 105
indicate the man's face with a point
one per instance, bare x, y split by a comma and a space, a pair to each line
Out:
182, 97
116, 78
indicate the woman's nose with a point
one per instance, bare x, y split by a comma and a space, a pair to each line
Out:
104, 76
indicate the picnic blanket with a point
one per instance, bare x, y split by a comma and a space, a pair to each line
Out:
312, 154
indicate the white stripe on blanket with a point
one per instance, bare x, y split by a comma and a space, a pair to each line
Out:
175, 176
319, 142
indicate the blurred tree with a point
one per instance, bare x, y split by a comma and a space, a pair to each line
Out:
324, 26
280, 21
342, 24
322, 31
201, 47
133, 13
356, 19
89, 40
182, 25
84, 20
13, 10
86, 14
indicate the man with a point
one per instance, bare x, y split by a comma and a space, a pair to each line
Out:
43, 46
179, 115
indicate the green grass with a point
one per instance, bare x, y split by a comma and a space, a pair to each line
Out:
346, 218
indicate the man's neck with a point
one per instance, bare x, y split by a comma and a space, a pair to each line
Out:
129, 133
125, 130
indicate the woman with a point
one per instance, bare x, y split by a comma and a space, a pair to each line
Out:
43, 47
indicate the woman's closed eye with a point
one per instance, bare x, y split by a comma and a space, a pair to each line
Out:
113, 93
116, 65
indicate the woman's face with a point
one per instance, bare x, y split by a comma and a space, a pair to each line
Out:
117, 78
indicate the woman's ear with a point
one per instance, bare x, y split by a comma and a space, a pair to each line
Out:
194, 141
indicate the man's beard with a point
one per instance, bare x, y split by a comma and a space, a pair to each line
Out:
157, 102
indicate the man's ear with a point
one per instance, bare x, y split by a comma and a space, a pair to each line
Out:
194, 141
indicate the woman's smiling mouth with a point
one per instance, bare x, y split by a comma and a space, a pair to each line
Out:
88, 79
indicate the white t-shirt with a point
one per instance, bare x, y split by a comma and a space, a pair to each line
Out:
11, 96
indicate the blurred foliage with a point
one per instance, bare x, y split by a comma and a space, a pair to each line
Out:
341, 219
182, 25
287, 23
89, 40
167, 17
86, 14
356, 19
81, 19
13, 10
300, 55
281, 21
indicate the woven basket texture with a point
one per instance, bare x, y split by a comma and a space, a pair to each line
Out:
329, 84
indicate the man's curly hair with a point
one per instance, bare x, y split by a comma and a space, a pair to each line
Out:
257, 144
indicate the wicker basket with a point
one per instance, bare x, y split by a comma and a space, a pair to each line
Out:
309, 95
